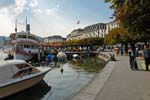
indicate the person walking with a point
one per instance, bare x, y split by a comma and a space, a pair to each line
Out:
117, 49
55, 58
132, 59
146, 53
121, 51
50, 57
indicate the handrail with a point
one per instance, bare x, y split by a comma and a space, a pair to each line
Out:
25, 68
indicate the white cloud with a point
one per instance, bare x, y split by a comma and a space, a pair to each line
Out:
52, 11
3, 11
9, 13
37, 11
33, 3
20, 6
20, 3
6, 24
15, 7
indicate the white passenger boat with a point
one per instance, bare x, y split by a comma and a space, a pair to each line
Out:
17, 75
25, 45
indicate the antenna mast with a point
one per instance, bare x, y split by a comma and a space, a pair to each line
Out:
26, 24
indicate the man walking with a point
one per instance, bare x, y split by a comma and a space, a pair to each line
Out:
146, 56
132, 59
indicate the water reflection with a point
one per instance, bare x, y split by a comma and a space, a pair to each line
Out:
66, 84
64, 81
2, 55
92, 65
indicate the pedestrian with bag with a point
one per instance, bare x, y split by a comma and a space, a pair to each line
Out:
132, 59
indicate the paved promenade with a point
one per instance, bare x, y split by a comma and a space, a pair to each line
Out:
118, 82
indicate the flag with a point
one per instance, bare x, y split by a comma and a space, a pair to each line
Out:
78, 22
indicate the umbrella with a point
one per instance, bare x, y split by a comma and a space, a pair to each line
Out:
116, 49
75, 55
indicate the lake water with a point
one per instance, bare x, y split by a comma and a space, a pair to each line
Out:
61, 86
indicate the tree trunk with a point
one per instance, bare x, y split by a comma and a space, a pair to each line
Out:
126, 47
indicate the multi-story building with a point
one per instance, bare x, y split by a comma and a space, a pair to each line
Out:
54, 39
111, 25
95, 30
75, 34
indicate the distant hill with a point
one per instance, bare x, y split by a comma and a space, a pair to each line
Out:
3, 38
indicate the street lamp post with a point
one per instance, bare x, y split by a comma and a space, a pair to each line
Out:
98, 30
3, 43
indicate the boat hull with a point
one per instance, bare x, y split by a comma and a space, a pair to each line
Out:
20, 85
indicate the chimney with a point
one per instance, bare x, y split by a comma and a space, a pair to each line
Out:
16, 26
28, 28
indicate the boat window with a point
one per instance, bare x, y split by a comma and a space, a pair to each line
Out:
35, 47
30, 37
24, 70
20, 66
19, 36
32, 46
26, 46
24, 36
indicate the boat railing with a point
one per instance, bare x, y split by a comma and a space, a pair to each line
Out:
42, 64
25, 68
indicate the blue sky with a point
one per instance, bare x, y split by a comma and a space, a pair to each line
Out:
52, 17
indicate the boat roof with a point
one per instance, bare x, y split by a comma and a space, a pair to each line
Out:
8, 69
23, 33
25, 41
10, 62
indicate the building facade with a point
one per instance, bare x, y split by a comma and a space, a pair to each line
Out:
75, 34
54, 39
111, 25
95, 30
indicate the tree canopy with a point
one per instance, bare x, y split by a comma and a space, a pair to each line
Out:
84, 42
134, 15
119, 35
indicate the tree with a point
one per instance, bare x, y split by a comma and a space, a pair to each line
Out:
84, 42
120, 35
110, 37
117, 35
134, 15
